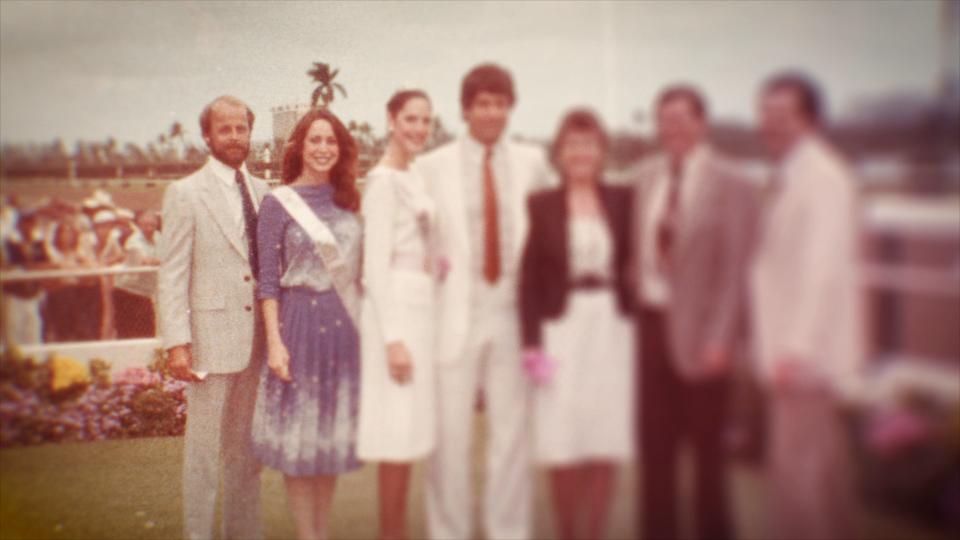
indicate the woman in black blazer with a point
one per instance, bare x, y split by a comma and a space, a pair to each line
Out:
578, 339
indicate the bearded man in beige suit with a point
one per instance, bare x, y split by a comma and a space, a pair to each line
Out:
210, 324
807, 315
693, 222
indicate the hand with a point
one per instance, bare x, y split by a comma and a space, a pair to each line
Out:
789, 373
179, 362
399, 362
538, 366
716, 360
278, 360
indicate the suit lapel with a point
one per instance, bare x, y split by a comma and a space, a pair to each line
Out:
212, 197
703, 202
517, 200
454, 188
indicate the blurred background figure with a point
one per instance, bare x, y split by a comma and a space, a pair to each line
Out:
133, 293
107, 245
23, 249
806, 313
691, 232
574, 306
73, 310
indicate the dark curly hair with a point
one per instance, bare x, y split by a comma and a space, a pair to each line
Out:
343, 177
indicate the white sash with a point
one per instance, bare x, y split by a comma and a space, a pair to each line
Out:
327, 248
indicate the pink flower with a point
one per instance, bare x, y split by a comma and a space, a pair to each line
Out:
538, 366
892, 430
442, 267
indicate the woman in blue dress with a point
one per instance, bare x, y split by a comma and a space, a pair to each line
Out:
305, 420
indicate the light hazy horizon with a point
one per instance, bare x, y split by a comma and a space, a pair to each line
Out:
128, 70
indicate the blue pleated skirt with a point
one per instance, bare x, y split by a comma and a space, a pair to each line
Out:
308, 426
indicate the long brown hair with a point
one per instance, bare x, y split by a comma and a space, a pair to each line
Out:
343, 176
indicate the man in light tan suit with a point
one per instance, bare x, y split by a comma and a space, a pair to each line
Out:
693, 222
807, 315
210, 324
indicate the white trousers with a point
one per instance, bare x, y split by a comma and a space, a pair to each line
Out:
219, 418
492, 362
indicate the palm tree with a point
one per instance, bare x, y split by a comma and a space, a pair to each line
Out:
323, 94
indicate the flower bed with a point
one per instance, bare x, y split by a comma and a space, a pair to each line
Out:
61, 400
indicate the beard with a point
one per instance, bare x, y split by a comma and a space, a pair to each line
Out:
231, 154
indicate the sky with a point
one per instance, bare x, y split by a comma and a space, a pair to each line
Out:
128, 70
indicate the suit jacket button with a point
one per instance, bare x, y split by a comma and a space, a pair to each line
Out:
246, 278
248, 308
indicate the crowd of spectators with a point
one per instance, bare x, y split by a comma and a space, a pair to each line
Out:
95, 234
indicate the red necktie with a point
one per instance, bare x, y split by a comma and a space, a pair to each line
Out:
491, 227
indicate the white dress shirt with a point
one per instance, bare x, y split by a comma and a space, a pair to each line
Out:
655, 285
231, 193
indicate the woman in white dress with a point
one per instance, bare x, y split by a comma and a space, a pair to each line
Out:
397, 404
578, 338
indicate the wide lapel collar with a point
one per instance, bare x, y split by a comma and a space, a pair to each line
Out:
212, 197
648, 174
704, 198
607, 198
455, 187
518, 194
559, 217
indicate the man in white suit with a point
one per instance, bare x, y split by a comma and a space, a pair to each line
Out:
480, 183
807, 315
210, 324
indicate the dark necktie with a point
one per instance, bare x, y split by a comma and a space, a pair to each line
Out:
249, 223
491, 226
667, 230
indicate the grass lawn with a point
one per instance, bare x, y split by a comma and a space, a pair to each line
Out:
131, 489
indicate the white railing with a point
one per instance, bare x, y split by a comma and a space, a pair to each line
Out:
11, 276
912, 280
121, 353
932, 375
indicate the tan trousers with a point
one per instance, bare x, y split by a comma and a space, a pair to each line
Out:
810, 469
219, 418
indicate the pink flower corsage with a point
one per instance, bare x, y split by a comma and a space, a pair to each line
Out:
442, 267
538, 366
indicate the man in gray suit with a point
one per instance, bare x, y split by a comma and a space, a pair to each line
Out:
692, 228
210, 324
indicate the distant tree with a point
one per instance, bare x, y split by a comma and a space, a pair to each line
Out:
55, 153
323, 95
194, 155
135, 155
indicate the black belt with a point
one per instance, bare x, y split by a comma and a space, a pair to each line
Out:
590, 282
